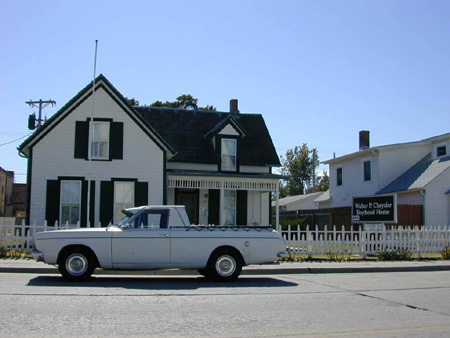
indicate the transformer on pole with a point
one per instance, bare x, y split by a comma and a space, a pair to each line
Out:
32, 118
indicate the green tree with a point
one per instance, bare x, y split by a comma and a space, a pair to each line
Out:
132, 101
298, 166
322, 183
185, 101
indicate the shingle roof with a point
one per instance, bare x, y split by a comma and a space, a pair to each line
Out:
292, 199
419, 175
188, 133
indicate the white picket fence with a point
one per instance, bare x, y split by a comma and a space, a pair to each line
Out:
305, 242
21, 236
416, 240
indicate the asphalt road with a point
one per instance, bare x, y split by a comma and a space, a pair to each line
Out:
405, 304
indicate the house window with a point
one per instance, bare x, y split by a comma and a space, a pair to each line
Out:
100, 141
70, 202
441, 151
106, 140
229, 207
229, 154
123, 198
339, 176
367, 171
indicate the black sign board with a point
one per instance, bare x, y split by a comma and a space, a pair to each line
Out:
375, 209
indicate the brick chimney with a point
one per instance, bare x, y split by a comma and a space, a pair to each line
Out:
234, 107
364, 139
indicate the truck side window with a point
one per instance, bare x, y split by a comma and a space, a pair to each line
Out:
151, 219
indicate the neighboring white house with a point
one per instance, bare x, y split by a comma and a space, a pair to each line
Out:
217, 164
417, 172
299, 202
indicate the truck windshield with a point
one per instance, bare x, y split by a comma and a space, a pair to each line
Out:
125, 221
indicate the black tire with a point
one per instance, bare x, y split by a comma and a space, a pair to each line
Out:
224, 266
76, 264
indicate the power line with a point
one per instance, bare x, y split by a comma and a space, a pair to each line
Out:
4, 144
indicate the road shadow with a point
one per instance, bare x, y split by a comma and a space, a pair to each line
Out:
159, 283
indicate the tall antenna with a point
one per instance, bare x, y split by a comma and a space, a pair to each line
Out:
91, 131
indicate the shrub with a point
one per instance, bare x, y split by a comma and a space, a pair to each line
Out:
292, 257
445, 253
395, 255
338, 256
13, 253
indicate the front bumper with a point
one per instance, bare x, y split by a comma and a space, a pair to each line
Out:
283, 254
38, 256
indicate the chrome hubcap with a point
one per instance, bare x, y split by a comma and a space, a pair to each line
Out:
76, 264
225, 265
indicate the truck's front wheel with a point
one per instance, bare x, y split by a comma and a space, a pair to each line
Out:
76, 264
224, 266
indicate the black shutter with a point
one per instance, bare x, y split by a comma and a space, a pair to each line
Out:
84, 192
241, 207
116, 141
106, 202
52, 202
214, 207
92, 211
81, 139
141, 193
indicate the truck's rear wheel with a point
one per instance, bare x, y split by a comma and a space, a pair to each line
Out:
224, 266
76, 264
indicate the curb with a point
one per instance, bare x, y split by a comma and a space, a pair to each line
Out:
246, 271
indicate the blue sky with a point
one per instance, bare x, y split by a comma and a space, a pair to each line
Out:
318, 71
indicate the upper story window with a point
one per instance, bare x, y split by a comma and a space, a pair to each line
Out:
339, 176
441, 151
229, 154
100, 141
106, 140
367, 165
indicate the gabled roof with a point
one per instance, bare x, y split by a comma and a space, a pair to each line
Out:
187, 133
419, 175
222, 124
183, 133
297, 198
100, 82
377, 149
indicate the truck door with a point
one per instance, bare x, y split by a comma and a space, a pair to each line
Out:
145, 244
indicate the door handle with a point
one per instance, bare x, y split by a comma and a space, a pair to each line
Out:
164, 235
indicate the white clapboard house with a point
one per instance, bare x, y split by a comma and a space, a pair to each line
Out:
217, 164
418, 173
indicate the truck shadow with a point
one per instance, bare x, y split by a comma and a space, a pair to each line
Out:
159, 283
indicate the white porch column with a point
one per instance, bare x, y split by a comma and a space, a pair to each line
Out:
221, 213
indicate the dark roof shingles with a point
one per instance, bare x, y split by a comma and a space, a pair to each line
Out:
185, 131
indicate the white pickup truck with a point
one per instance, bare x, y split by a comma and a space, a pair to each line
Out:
159, 237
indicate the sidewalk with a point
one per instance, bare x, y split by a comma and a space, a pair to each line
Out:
8, 265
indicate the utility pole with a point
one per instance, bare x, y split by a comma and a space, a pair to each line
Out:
41, 105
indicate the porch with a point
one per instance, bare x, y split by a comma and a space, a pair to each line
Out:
218, 198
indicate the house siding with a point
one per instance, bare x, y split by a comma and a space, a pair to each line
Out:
394, 162
53, 156
411, 198
436, 200
353, 181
